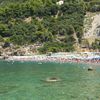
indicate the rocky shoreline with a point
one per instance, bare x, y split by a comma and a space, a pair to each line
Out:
57, 57
10, 52
9, 49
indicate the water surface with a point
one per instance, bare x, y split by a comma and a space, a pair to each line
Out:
26, 81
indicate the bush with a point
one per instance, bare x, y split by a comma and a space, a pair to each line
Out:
1, 39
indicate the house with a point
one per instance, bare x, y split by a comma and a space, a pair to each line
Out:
60, 2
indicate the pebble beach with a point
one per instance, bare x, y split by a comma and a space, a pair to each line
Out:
59, 57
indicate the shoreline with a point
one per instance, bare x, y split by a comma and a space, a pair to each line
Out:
57, 57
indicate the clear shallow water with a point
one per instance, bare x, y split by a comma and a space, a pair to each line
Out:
25, 81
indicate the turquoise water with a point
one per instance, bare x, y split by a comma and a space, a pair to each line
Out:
25, 81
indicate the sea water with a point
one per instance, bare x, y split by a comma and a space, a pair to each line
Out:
26, 81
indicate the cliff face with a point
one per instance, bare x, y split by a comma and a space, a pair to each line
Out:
92, 26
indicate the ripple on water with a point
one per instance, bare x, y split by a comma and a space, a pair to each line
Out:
7, 88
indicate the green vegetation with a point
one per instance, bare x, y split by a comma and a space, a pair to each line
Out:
31, 21
93, 5
96, 44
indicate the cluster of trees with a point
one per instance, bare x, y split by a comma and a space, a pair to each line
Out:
48, 21
96, 44
93, 5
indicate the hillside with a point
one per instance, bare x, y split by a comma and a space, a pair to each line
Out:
54, 26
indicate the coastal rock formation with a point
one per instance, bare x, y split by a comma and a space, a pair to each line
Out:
14, 50
92, 27
90, 69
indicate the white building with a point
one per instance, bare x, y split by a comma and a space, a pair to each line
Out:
60, 2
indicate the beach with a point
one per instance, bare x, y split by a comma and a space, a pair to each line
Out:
85, 57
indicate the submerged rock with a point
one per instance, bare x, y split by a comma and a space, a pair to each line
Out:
90, 69
52, 79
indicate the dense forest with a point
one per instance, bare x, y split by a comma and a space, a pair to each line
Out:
57, 27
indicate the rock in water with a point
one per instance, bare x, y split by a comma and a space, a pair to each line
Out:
90, 69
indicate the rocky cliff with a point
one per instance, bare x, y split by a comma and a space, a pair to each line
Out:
92, 26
